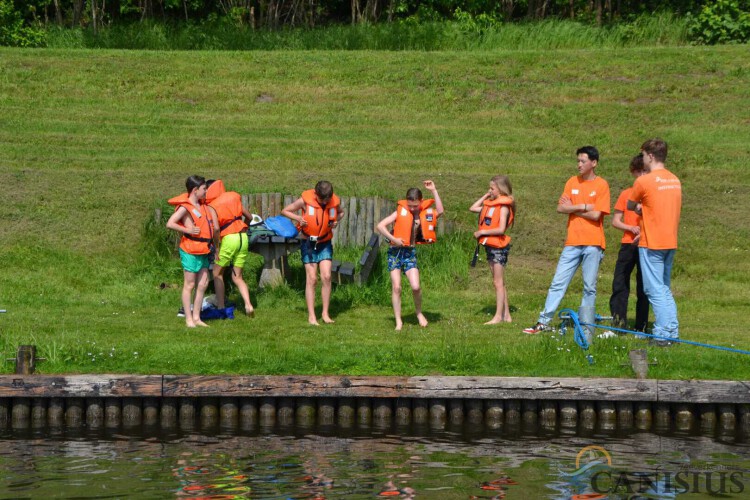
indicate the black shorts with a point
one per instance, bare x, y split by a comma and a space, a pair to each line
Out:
497, 255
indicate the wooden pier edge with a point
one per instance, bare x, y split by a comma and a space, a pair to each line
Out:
432, 387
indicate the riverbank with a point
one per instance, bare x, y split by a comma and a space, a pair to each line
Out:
93, 141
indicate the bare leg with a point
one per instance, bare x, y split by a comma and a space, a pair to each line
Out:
325, 289
187, 292
311, 274
500, 295
200, 290
396, 297
416, 290
242, 287
506, 316
218, 273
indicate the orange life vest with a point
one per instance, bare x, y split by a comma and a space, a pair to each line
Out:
228, 206
319, 220
200, 244
489, 218
405, 229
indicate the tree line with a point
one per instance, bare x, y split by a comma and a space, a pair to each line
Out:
716, 20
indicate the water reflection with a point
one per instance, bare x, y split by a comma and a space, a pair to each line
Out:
322, 464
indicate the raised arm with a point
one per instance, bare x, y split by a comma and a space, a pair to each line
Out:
430, 186
477, 206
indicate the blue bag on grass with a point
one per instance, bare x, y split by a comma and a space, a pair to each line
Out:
216, 313
281, 226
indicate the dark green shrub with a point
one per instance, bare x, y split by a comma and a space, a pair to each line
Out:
13, 32
722, 21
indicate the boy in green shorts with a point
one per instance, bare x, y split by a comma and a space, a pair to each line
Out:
199, 233
227, 209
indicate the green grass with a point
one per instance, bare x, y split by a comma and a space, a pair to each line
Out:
466, 33
92, 141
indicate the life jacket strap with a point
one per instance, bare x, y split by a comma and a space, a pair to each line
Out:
197, 238
227, 224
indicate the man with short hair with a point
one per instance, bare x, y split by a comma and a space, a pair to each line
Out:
585, 200
658, 195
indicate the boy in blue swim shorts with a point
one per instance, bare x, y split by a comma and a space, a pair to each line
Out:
414, 223
321, 212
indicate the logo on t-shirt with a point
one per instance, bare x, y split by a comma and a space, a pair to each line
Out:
593, 193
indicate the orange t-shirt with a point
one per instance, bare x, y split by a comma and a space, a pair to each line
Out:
629, 217
660, 195
594, 192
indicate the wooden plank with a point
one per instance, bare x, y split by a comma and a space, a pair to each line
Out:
264, 205
499, 388
288, 200
368, 259
277, 206
370, 221
417, 387
377, 211
704, 391
271, 204
351, 236
361, 222
80, 385
339, 235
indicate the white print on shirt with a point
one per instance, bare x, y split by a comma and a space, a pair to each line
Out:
574, 191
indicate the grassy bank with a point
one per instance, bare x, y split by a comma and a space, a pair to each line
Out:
92, 141
467, 33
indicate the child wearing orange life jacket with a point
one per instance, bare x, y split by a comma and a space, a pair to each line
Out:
227, 209
199, 233
321, 212
496, 211
414, 223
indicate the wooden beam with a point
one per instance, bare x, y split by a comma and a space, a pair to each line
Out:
703, 391
488, 388
80, 385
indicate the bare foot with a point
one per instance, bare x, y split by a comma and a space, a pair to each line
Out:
249, 311
494, 321
327, 319
313, 321
399, 325
190, 324
422, 320
508, 320
201, 323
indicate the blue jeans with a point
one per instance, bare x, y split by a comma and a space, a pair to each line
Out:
588, 258
656, 266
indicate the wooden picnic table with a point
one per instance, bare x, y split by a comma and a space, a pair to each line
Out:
274, 250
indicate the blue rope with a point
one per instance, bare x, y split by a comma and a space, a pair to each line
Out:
573, 316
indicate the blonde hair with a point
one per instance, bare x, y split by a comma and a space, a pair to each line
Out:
505, 187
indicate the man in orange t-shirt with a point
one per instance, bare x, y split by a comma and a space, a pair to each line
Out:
585, 200
628, 222
659, 194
